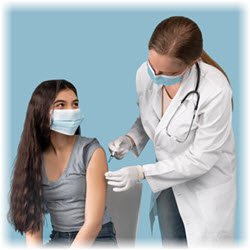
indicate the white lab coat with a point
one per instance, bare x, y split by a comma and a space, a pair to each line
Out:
202, 170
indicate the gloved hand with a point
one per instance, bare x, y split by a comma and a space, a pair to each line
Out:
120, 147
125, 178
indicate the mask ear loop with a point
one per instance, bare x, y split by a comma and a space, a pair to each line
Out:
151, 69
51, 112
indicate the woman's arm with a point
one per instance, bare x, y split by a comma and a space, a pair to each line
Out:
138, 136
137, 132
34, 239
95, 199
215, 125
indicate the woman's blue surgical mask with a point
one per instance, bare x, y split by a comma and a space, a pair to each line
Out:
163, 79
65, 121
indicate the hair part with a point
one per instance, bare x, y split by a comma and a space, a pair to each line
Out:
180, 37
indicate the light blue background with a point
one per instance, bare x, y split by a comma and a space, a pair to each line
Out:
99, 50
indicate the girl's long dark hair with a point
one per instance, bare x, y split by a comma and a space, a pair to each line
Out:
26, 196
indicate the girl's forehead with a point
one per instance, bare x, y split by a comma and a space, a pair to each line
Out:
65, 94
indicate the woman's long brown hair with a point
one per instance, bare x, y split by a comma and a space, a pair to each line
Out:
180, 37
26, 196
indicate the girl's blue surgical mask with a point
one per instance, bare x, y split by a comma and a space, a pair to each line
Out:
163, 79
65, 121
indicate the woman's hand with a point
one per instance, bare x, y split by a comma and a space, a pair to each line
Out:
125, 178
120, 146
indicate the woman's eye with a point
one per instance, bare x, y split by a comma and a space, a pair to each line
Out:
76, 104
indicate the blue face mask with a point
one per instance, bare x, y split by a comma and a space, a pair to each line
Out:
66, 121
163, 79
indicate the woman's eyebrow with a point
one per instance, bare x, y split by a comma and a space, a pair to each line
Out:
163, 72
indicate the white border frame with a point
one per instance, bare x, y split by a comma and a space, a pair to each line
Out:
60, 4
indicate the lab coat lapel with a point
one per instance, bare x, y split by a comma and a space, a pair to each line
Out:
186, 86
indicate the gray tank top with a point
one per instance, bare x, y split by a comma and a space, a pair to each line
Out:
64, 199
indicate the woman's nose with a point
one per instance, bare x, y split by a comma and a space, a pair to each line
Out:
157, 72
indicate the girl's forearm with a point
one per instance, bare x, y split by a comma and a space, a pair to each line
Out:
86, 235
34, 240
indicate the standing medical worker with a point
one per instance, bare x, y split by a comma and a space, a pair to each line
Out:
185, 104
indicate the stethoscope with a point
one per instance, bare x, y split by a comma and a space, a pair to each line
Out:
193, 92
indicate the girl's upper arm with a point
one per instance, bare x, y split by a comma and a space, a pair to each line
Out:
96, 188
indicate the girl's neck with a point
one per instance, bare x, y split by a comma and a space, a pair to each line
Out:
61, 142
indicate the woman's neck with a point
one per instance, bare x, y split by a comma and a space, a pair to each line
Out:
172, 90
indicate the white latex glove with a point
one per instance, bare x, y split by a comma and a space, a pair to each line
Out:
120, 147
125, 178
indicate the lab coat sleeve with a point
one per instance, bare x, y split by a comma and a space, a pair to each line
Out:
214, 127
137, 132
139, 136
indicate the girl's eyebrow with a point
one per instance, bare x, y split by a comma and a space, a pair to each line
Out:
76, 100
59, 101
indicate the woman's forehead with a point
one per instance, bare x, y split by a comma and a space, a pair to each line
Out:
164, 63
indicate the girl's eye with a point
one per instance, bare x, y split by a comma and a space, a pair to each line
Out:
60, 105
76, 104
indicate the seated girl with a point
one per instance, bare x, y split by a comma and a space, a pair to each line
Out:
59, 172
